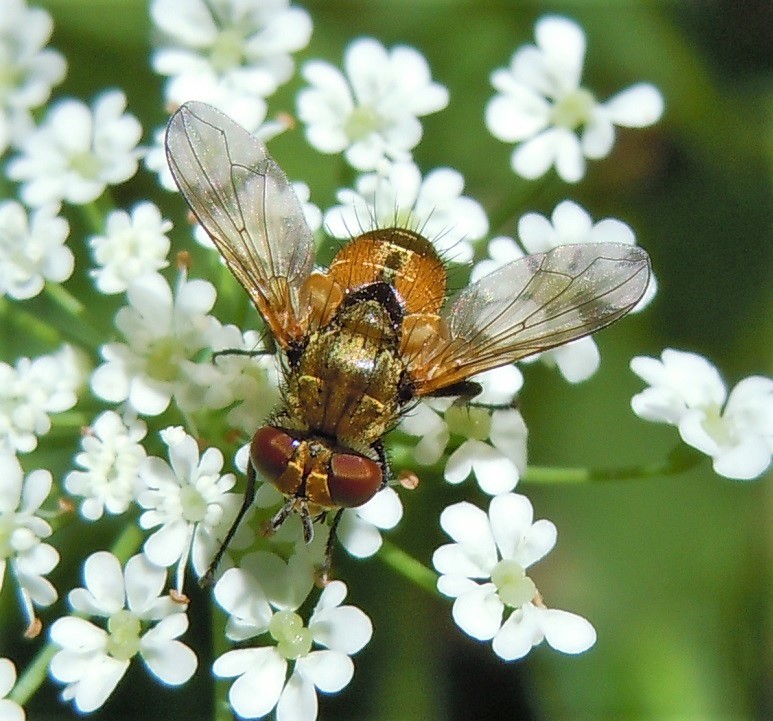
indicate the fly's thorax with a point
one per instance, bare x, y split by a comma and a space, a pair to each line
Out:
314, 470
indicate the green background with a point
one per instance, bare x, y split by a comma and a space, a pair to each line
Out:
673, 572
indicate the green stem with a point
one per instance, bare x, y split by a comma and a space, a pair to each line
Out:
33, 675
64, 299
85, 330
407, 566
681, 459
94, 213
123, 548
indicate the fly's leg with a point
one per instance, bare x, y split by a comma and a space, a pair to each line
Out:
240, 351
324, 572
383, 461
466, 391
249, 497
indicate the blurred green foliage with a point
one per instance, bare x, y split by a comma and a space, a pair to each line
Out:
675, 573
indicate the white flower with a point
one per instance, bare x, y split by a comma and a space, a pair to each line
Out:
358, 530
499, 548
189, 499
542, 107
261, 672
32, 250
164, 333
231, 54
133, 245
28, 69
496, 464
434, 204
370, 113
32, 389
687, 391
21, 531
9, 710
110, 460
139, 621
77, 152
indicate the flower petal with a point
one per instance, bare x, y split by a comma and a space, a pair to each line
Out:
636, 107
346, 629
330, 671
173, 662
479, 612
566, 632
469, 526
104, 579
261, 676
298, 701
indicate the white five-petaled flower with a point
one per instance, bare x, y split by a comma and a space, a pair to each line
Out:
139, 620
188, 497
77, 151
230, 54
32, 389
403, 198
484, 570
261, 672
370, 113
164, 332
29, 70
32, 250
21, 531
132, 245
9, 710
568, 224
687, 391
494, 449
541, 105
110, 460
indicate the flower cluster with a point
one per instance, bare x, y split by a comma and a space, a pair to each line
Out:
139, 618
255, 611
30, 69
22, 527
32, 389
687, 391
541, 105
371, 112
500, 547
153, 427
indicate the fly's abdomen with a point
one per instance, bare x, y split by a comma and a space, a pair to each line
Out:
347, 380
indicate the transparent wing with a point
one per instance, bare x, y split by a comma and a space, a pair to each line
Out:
533, 304
245, 203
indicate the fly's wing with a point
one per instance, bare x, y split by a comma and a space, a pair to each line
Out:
245, 203
530, 305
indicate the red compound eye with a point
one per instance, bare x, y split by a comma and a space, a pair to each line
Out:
271, 451
353, 480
